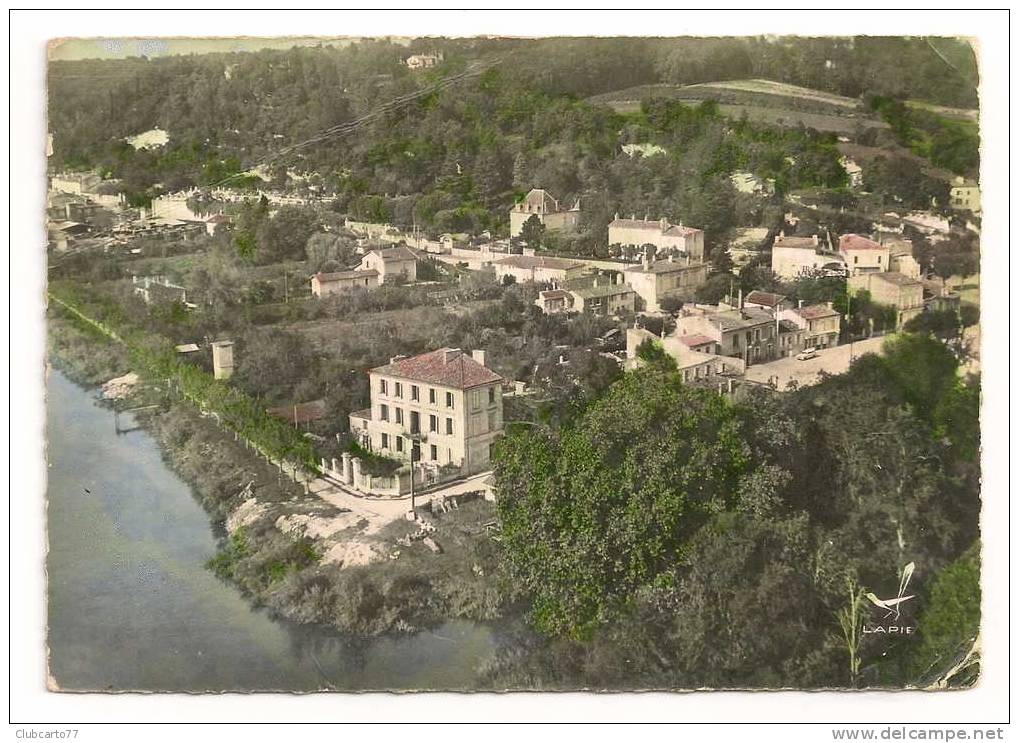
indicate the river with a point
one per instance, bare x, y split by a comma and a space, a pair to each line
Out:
132, 607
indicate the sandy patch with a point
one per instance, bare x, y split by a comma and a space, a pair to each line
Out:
120, 387
249, 512
352, 553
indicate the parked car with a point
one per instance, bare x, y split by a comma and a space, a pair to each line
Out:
807, 354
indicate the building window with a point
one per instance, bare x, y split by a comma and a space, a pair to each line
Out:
434, 451
415, 392
385, 441
476, 400
856, 259
491, 420
399, 414
399, 390
449, 399
431, 395
382, 387
491, 395
384, 412
399, 443
433, 424
449, 426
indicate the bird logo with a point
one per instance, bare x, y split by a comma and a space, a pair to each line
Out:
893, 606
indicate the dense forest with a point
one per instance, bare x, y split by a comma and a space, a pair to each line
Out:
453, 157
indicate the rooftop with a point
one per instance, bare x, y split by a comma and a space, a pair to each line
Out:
399, 253
603, 290
894, 277
554, 294
793, 241
447, 367
325, 277
538, 261
748, 317
816, 312
695, 339
664, 266
765, 299
661, 226
853, 241
540, 201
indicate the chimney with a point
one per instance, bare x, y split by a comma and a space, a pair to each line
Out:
831, 305
398, 357
815, 240
781, 233
740, 305
663, 223
800, 304
479, 356
647, 259
448, 354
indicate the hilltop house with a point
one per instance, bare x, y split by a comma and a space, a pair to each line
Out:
892, 289
324, 284
423, 61
654, 281
539, 268
964, 195
767, 301
664, 236
820, 325
540, 203
444, 407
390, 263
794, 256
853, 170
554, 301
863, 255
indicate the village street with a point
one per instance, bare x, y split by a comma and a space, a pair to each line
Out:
831, 360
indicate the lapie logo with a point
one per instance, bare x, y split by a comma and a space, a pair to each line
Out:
893, 608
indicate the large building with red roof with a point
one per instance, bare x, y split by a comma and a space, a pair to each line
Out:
444, 406
689, 241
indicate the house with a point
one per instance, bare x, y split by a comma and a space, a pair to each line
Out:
158, 289
601, 295
76, 183
819, 324
892, 289
554, 301
854, 171
750, 334
964, 195
900, 255
391, 263
540, 203
793, 256
423, 61
660, 233
749, 183
656, 280
767, 301
863, 255
444, 406
539, 268
325, 284
217, 221
693, 361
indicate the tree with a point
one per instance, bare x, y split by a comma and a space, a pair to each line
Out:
598, 510
532, 232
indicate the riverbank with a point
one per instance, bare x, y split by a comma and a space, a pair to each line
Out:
271, 555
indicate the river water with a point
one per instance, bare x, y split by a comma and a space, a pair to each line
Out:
132, 607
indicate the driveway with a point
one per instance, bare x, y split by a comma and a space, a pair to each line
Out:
831, 360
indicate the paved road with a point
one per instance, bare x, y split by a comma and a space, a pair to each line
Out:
831, 360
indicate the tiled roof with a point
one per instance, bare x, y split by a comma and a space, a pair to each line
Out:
858, 242
766, 299
745, 318
696, 339
664, 266
540, 201
790, 241
653, 225
554, 294
816, 312
399, 253
538, 261
604, 290
894, 277
325, 277
460, 371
